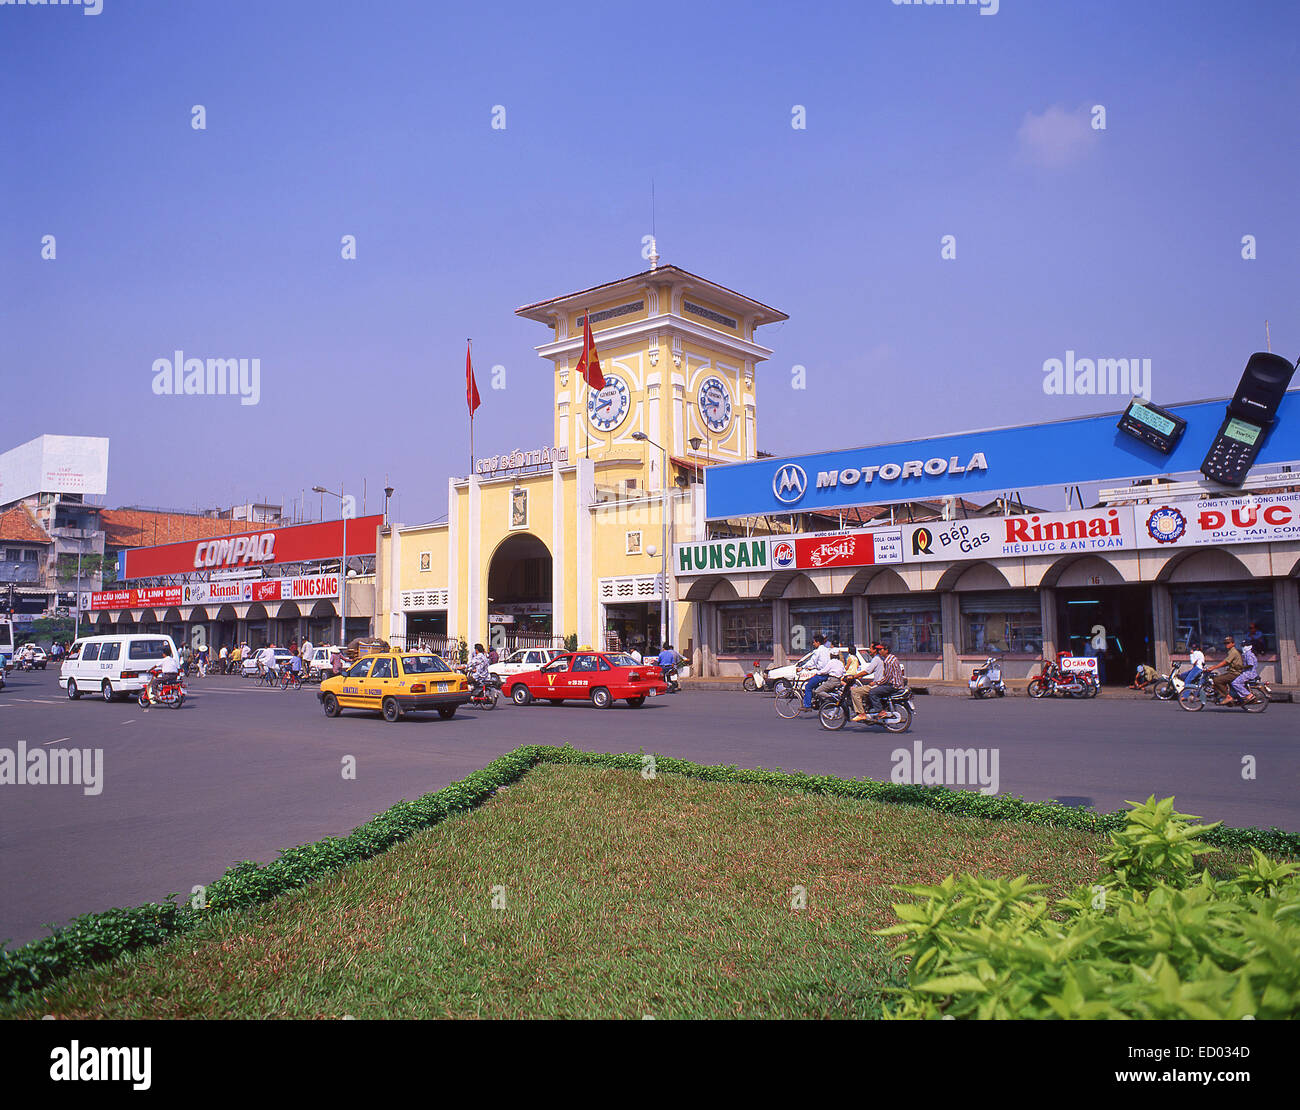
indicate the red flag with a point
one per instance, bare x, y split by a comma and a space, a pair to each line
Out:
471, 387
589, 364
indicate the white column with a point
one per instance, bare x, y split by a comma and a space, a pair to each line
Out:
654, 429
678, 445
453, 562
559, 551
392, 584
584, 584
475, 618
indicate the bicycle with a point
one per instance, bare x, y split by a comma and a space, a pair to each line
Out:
267, 676
789, 700
291, 678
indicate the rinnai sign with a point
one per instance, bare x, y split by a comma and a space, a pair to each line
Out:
1031, 534
1262, 518
299, 543
1265, 518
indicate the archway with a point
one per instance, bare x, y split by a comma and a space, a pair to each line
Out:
1099, 614
519, 591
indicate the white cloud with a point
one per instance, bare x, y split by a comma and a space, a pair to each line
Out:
1057, 138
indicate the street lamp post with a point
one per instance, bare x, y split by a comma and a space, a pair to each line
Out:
663, 546
343, 566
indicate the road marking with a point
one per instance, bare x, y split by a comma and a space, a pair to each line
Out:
47, 743
131, 721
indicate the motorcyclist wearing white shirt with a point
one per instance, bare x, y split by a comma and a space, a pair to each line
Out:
166, 672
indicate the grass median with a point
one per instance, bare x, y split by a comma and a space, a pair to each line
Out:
583, 892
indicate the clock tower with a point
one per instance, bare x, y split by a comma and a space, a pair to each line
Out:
678, 353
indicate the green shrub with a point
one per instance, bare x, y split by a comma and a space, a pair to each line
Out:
1149, 940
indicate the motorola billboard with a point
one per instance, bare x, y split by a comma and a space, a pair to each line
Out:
1065, 452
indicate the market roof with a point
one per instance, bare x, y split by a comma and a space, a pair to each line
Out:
147, 528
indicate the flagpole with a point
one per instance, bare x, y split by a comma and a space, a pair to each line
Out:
471, 411
586, 369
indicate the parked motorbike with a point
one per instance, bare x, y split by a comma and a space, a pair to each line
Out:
986, 679
756, 679
836, 707
1197, 695
1054, 682
170, 694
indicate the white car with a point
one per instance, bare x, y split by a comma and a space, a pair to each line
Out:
248, 664
113, 665
321, 665
525, 659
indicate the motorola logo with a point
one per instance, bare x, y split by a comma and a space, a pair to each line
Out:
789, 483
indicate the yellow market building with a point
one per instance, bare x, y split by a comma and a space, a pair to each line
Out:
570, 537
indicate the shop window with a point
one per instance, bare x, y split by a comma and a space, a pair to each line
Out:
1206, 614
910, 626
834, 622
746, 629
1003, 624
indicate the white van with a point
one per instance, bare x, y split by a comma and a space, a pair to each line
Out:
112, 665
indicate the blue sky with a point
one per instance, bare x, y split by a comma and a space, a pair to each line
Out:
326, 119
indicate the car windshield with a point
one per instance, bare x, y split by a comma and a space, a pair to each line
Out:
423, 664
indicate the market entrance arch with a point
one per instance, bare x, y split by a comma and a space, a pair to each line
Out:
519, 599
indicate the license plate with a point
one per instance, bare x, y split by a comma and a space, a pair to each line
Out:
652, 693
443, 687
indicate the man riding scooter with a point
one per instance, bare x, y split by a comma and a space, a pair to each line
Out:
165, 673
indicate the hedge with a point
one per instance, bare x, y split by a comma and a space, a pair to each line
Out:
96, 938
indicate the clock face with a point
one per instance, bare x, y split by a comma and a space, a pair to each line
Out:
715, 403
607, 407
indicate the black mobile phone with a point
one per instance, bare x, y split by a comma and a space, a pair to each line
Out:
1250, 414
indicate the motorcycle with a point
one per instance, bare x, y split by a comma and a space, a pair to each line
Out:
171, 694
986, 679
836, 707
756, 679
1197, 695
1053, 682
670, 678
1169, 687
484, 695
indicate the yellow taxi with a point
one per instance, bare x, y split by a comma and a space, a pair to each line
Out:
394, 683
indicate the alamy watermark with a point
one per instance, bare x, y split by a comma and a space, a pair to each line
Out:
986, 7
195, 377
924, 766
43, 766
88, 7
1086, 377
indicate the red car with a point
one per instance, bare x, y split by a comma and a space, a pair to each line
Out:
601, 677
